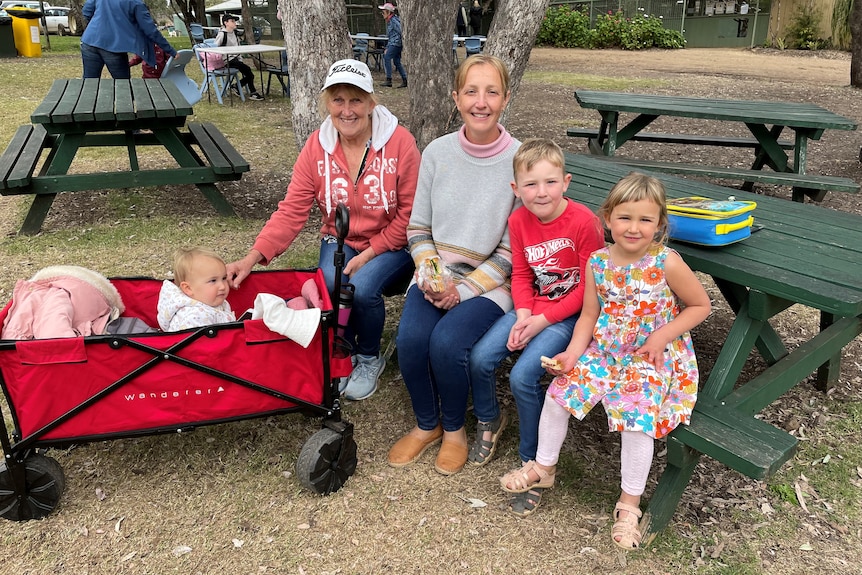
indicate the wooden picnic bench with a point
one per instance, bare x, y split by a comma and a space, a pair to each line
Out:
805, 255
765, 120
80, 113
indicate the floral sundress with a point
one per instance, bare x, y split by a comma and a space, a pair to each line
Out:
635, 301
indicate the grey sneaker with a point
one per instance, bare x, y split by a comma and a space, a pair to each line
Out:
363, 381
342, 382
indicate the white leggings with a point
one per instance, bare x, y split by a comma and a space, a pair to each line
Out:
635, 458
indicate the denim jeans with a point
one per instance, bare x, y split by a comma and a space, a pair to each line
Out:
369, 310
391, 55
434, 348
525, 376
94, 59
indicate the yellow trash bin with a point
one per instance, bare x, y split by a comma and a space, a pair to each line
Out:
25, 30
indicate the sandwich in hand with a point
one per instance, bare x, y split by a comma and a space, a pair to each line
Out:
432, 275
549, 363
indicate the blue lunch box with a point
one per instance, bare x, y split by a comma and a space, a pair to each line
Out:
708, 222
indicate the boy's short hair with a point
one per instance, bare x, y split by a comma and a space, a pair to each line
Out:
183, 258
534, 151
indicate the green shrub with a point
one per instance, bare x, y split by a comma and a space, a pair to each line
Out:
565, 28
804, 24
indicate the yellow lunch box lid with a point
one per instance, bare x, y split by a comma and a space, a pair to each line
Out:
707, 208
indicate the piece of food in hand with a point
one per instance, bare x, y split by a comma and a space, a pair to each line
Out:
549, 363
433, 269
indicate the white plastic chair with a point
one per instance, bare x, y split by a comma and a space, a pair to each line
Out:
175, 72
220, 79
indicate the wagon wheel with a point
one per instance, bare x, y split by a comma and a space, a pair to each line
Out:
327, 459
44, 484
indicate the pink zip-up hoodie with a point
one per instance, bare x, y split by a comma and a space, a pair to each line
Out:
380, 201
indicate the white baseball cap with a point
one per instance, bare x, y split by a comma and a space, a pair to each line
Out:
349, 72
388, 6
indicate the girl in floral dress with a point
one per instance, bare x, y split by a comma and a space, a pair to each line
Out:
630, 351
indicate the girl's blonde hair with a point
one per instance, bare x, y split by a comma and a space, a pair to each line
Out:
636, 187
183, 258
535, 150
326, 96
477, 59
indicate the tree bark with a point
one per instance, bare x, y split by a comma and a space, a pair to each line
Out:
856, 45
316, 35
511, 35
427, 31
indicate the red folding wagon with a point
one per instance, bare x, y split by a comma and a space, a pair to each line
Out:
65, 391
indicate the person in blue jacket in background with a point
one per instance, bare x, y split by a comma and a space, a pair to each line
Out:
116, 28
394, 45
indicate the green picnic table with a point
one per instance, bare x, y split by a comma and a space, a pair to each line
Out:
805, 255
765, 120
79, 113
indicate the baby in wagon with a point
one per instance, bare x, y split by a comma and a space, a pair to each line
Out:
197, 295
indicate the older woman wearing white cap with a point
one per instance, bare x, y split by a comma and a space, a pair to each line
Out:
360, 156
394, 45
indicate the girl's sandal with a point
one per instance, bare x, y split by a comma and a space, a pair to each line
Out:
520, 480
523, 504
626, 528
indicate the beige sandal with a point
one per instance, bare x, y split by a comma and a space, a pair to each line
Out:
520, 478
626, 528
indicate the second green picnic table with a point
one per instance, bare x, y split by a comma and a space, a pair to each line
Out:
82, 113
765, 120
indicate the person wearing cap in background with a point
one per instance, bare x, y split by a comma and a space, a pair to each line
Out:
362, 157
392, 54
227, 37
114, 29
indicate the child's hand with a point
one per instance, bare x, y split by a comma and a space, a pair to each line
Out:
653, 350
525, 330
566, 361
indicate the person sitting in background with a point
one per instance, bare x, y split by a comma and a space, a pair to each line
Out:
197, 295
227, 37
116, 28
148, 71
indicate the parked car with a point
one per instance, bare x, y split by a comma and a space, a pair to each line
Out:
57, 20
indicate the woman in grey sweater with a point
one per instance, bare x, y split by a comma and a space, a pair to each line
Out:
459, 221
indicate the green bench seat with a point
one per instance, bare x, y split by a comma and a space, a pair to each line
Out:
21, 156
593, 134
220, 154
811, 185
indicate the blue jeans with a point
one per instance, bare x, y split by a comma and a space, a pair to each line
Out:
369, 310
525, 376
390, 55
94, 59
434, 348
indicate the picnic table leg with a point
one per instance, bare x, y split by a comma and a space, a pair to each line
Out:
769, 152
769, 343
828, 373
187, 158
56, 163
681, 462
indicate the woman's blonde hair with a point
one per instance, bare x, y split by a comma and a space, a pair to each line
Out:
326, 96
636, 187
493, 61
183, 258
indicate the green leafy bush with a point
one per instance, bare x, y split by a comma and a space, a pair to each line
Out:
564, 27
567, 28
803, 28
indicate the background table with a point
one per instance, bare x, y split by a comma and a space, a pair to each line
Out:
253, 50
765, 120
80, 113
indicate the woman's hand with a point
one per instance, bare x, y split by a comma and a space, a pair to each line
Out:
239, 270
446, 299
358, 261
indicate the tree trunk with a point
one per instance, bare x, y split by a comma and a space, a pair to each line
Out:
511, 35
248, 22
427, 32
316, 36
856, 46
